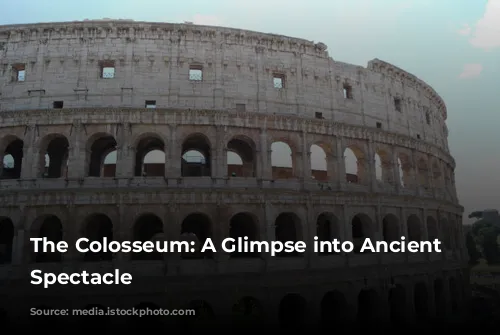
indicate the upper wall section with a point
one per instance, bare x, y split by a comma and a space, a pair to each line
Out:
126, 63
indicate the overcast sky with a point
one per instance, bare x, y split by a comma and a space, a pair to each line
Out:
454, 45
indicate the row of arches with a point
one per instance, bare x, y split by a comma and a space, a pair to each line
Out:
295, 313
242, 161
197, 227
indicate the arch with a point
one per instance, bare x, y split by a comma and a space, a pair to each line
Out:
432, 229
42, 317
109, 163
243, 225
97, 227
196, 156
327, 229
96, 320
292, 312
319, 162
397, 305
454, 295
149, 322
414, 228
353, 161
423, 173
241, 157
54, 153
404, 165
439, 298
282, 160
6, 240
248, 314
421, 301
334, 311
445, 233
196, 227
147, 227
149, 156
12, 157
390, 227
99, 145
368, 307
51, 228
379, 175
288, 228
362, 228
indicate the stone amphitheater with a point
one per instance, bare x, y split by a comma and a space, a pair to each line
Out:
99, 124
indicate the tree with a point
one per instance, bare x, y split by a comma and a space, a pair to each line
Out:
474, 254
486, 231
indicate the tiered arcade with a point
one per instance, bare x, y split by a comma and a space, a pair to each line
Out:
84, 104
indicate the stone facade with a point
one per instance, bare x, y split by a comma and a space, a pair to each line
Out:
75, 92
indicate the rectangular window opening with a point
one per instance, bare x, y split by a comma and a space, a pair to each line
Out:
107, 69
379, 125
428, 118
18, 72
347, 89
195, 73
397, 104
278, 80
319, 115
150, 103
418, 136
58, 104
240, 108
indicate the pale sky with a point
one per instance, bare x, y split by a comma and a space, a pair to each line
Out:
453, 45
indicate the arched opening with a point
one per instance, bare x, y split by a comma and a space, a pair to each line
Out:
12, 158
353, 165
423, 173
437, 176
248, 315
243, 225
327, 229
109, 164
334, 312
148, 227
378, 168
362, 229
439, 298
96, 228
292, 313
421, 302
404, 167
196, 227
454, 295
368, 307
96, 320
203, 319
196, 156
282, 161
445, 232
100, 146
432, 229
54, 156
6, 240
149, 322
319, 163
397, 305
49, 227
241, 160
390, 227
288, 228
42, 318
413, 226
150, 157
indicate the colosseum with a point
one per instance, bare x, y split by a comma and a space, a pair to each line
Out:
138, 131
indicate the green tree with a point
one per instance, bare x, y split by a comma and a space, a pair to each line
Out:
486, 231
474, 254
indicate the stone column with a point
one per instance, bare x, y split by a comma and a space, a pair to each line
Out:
397, 174
28, 154
371, 166
173, 161
341, 173
172, 228
265, 167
